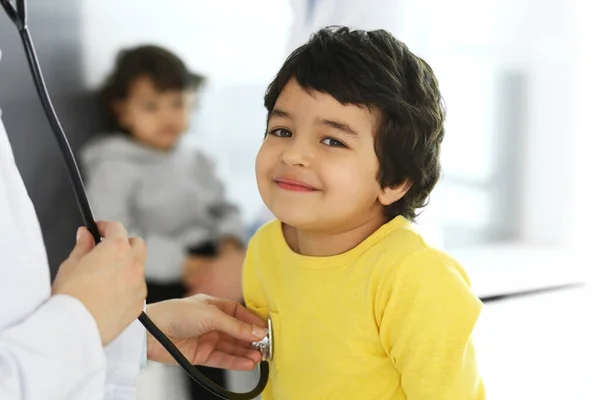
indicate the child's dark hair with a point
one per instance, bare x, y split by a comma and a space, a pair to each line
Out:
376, 70
165, 69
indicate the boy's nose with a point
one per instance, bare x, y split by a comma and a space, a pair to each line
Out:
298, 153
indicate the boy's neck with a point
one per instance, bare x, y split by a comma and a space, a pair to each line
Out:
329, 243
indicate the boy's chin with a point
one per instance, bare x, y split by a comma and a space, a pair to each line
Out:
297, 218
306, 223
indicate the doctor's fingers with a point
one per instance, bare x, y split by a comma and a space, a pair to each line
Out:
220, 359
138, 246
83, 245
112, 230
234, 309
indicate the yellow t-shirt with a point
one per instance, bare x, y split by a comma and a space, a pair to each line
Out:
390, 319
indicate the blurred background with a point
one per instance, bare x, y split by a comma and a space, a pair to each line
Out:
518, 202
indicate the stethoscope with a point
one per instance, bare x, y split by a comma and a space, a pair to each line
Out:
265, 346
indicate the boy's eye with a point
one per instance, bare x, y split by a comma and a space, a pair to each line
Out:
279, 132
333, 142
150, 106
179, 103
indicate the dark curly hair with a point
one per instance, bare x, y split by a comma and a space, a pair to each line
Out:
374, 69
165, 69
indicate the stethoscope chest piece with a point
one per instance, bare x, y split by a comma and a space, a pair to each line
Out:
265, 346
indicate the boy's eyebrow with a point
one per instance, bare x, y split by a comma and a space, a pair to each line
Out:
340, 126
337, 125
279, 114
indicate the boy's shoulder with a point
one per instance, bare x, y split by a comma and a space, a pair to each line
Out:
112, 148
265, 234
403, 251
200, 157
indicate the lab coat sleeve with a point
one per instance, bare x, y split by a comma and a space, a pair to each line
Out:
48, 354
50, 347
56, 353
125, 356
426, 313
111, 187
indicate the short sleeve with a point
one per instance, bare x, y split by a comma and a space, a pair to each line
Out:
426, 313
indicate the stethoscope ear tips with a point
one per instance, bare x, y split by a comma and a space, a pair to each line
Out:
265, 346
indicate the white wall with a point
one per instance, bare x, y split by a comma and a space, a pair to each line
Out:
229, 40
469, 43
586, 215
547, 191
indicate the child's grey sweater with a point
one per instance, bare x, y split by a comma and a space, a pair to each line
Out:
173, 199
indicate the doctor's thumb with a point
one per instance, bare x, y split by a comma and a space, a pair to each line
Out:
84, 243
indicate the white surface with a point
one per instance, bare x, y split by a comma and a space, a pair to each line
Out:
513, 267
541, 347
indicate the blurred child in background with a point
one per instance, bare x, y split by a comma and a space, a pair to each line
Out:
169, 195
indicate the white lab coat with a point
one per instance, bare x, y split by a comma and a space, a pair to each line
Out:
50, 347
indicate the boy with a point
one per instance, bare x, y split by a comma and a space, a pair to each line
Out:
362, 307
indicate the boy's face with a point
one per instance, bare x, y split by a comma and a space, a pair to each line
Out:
317, 167
157, 119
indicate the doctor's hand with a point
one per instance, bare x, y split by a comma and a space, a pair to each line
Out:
108, 279
208, 331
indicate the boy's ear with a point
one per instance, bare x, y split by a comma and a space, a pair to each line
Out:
392, 194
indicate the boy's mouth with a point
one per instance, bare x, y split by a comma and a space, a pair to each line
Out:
293, 185
170, 132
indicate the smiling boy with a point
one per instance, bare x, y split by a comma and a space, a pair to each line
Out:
362, 307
